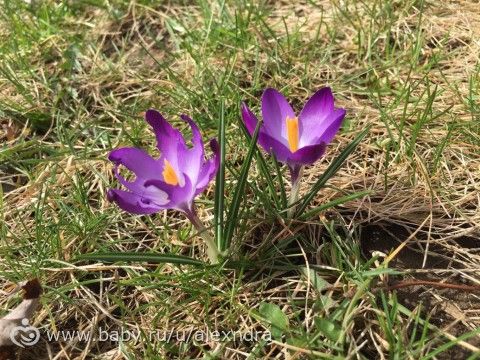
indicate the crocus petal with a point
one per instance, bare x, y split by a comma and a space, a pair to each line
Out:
317, 117
275, 111
319, 105
170, 141
308, 154
190, 161
163, 130
304, 156
196, 136
143, 166
268, 142
335, 119
180, 197
249, 119
209, 168
136, 160
272, 145
131, 202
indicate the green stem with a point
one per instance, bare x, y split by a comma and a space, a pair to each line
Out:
294, 192
212, 250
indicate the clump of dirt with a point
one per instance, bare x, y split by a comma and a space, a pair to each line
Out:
454, 311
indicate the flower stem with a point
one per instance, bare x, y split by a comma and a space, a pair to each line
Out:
296, 176
212, 250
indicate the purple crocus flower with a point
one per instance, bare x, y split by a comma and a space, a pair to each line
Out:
295, 141
170, 182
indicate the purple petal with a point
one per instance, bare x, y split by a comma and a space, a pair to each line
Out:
136, 160
272, 145
303, 156
338, 115
209, 168
265, 140
179, 197
191, 160
317, 117
131, 202
249, 118
143, 166
170, 141
196, 135
163, 130
275, 110
308, 154
320, 104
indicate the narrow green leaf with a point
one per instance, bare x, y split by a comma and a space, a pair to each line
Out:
444, 347
283, 193
220, 183
333, 203
266, 201
140, 257
262, 164
232, 219
331, 170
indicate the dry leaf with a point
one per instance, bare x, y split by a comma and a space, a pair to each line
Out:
16, 321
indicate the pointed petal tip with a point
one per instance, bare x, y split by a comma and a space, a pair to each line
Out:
341, 114
243, 106
132, 203
111, 195
186, 118
325, 92
270, 90
214, 146
154, 117
112, 157
116, 155
271, 93
189, 121
151, 112
245, 110
249, 118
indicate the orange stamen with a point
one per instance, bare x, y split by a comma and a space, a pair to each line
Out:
292, 133
169, 174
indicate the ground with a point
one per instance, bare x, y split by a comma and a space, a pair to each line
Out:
393, 274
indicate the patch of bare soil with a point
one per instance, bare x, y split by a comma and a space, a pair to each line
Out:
441, 283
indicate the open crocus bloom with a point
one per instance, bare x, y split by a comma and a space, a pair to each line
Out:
295, 141
170, 182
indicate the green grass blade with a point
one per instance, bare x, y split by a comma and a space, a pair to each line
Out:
140, 257
232, 219
283, 193
260, 191
220, 184
262, 165
444, 347
333, 203
332, 170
